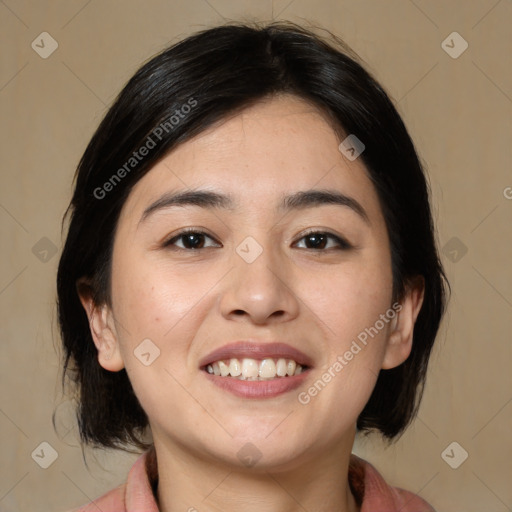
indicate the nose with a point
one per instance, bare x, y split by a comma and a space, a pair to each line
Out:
260, 291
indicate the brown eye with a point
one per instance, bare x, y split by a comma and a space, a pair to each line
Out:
190, 240
316, 240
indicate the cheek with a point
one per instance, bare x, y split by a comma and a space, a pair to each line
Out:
350, 305
349, 299
163, 305
152, 298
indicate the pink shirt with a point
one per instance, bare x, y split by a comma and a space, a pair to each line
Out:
369, 489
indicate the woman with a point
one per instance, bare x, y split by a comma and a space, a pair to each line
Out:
250, 276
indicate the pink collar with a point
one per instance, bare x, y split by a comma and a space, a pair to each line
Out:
369, 488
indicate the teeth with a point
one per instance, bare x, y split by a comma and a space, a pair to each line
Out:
224, 369
281, 367
234, 368
267, 369
249, 368
252, 369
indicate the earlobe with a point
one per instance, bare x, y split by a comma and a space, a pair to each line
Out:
102, 329
400, 338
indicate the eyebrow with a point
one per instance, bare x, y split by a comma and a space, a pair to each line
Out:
297, 201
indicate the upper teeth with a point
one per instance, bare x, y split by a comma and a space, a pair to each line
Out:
252, 369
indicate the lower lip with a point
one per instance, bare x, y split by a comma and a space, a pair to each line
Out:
258, 388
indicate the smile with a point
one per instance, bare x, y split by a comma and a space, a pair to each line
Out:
254, 369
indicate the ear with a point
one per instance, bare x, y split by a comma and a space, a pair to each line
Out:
101, 322
400, 339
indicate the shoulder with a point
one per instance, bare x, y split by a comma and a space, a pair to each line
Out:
410, 502
135, 494
377, 496
112, 501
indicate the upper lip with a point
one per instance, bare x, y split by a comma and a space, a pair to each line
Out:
256, 350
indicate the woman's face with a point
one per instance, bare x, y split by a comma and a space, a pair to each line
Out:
252, 285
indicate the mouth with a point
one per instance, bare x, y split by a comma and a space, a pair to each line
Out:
255, 370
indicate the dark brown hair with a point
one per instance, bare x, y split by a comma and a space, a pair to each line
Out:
223, 70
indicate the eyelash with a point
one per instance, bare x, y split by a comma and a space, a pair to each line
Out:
342, 243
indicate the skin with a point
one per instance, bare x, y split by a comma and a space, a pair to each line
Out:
190, 302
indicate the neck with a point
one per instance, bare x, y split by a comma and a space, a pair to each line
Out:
193, 483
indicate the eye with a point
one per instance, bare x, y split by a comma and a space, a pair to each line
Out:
320, 240
194, 239
191, 238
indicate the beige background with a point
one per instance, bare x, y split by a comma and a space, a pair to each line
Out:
459, 114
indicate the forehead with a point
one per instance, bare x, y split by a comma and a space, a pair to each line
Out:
275, 147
